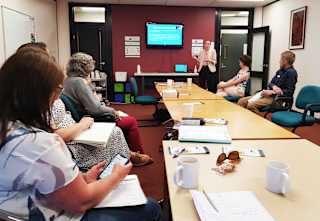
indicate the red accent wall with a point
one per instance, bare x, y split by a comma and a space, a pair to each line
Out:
130, 20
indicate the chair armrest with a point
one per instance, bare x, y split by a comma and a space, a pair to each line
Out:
281, 102
106, 117
310, 108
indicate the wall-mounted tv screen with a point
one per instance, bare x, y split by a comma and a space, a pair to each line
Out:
164, 35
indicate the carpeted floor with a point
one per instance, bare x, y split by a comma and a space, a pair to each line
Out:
152, 176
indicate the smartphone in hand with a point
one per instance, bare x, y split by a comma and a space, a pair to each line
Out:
118, 159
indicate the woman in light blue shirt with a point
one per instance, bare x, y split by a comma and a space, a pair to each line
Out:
39, 180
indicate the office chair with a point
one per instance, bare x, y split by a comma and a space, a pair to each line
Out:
71, 106
279, 103
308, 100
144, 100
247, 92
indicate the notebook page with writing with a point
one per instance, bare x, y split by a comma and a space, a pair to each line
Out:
99, 133
240, 205
127, 193
204, 209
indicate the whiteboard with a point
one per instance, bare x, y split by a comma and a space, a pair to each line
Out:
18, 29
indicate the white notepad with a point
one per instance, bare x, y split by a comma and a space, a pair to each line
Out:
255, 97
99, 133
208, 134
241, 205
127, 193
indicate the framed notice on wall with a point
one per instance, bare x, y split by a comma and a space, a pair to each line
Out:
297, 28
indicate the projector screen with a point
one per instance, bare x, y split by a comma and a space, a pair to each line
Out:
164, 35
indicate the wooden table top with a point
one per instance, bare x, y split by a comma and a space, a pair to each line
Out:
242, 123
302, 156
188, 93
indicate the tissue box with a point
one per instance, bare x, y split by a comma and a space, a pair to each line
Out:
170, 93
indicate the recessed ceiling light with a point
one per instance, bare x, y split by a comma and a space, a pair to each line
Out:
228, 15
243, 13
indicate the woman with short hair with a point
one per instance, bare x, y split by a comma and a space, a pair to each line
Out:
207, 60
39, 180
77, 86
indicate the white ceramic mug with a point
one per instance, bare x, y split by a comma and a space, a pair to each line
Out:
170, 82
277, 177
188, 110
189, 82
187, 173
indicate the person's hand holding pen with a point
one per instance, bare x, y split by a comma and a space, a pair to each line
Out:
86, 123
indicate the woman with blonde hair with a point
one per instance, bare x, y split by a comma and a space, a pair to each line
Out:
207, 60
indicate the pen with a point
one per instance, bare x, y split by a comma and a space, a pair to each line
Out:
180, 152
209, 200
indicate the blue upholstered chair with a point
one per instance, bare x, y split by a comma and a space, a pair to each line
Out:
71, 106
235, 99
143, 99
308, 100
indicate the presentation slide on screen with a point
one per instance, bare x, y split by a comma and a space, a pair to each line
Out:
164, 34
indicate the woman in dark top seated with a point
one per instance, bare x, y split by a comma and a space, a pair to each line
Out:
78, 87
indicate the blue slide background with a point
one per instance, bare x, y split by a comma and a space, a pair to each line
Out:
164, 34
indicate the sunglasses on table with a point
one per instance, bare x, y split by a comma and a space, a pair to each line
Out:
232, 156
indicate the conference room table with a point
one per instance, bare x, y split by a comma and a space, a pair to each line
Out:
163, 75
242, 123
185, 92
302, 157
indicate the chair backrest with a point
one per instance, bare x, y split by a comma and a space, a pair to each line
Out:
309, 94
247, 92
70, 106
134, 86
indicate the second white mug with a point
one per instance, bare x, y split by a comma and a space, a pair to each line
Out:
277, 176
187, 173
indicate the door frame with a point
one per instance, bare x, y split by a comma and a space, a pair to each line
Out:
108, 38
266, 55
219, 27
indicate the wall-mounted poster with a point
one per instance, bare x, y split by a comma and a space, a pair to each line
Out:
297, 28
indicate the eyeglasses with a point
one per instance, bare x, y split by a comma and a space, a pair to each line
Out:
233, 156
59, 89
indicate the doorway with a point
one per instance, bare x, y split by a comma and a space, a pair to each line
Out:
234, 43
90, 32
236, 36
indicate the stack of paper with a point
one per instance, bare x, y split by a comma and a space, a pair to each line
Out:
208, 134
170, 93
127, 193
99, 133
229, 206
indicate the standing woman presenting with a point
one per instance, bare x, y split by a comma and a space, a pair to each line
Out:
207, 60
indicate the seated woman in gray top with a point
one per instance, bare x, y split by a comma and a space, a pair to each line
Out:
77, 86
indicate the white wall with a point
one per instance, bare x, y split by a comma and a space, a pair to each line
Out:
63, 32
44, 12
277, 16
